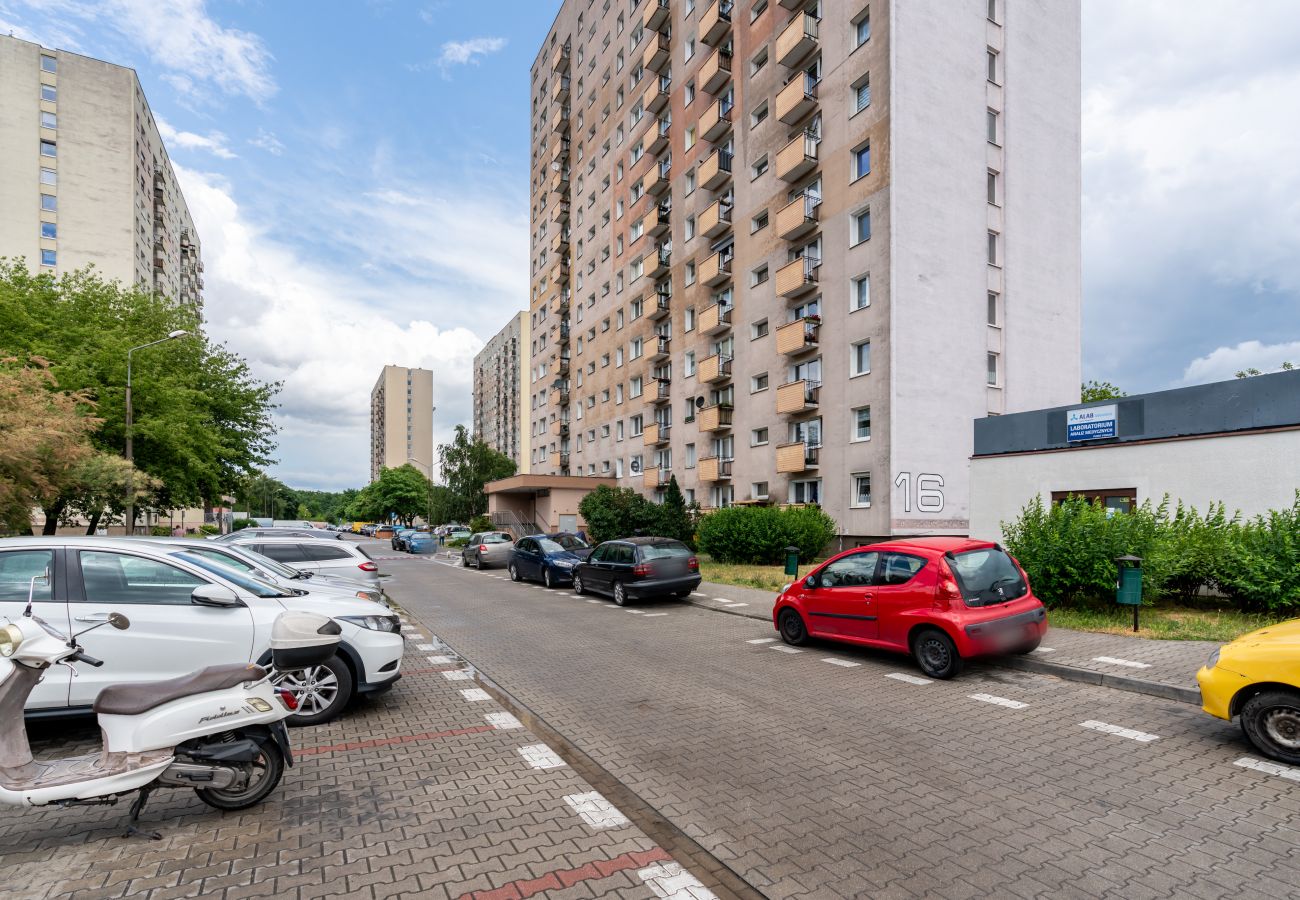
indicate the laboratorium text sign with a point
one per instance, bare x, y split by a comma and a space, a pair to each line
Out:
1092, 423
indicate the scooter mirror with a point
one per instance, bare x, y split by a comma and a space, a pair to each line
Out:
119, 621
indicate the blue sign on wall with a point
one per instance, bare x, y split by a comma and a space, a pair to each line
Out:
1093, 423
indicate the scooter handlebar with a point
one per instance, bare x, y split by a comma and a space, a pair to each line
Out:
80, 656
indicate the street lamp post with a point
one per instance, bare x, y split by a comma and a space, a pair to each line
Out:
130, 421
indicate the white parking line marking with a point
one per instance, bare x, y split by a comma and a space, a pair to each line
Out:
474, 695
698, 594
426, 647
1269, 768
589, 600
1114, 661
540, 756
734, 605
841, 662
910, 679
458, 675
999, 701
595, 810
636, 612
762, 641
671, 882
503, 721
652, 615
1044, 649
723, 600
786, 649
1107, 728
408, 628
440, 660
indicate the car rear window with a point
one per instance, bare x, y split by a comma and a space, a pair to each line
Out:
987, 576
571, 542
664, 551
495, 539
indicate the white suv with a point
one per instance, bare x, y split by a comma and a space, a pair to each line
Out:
325, 557
187, 612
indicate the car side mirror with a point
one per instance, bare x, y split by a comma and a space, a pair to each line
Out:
215, 595
811, 583
119, 621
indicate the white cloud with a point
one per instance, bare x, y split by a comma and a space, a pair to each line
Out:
267, 141
213, 142
1225, 362
461, 53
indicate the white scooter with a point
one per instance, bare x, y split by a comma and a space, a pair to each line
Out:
219, 731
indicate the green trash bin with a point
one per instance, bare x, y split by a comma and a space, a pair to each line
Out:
792, 561
1128, 589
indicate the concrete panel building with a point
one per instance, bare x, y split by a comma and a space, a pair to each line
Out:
500, 400
401, 420
85, 177
787, 251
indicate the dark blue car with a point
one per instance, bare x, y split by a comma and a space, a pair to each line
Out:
421, 542
548, 558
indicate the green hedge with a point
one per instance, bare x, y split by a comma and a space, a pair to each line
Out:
758, 535
612, 513
1069, 552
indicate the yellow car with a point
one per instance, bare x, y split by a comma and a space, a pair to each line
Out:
1257, 677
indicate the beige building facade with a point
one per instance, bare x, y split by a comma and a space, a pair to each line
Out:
787, 251
401, 421
501, 417
84, 175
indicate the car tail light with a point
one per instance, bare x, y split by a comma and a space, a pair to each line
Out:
693, 564
640, 570
948, 593
287, 698
368, 566
482, 548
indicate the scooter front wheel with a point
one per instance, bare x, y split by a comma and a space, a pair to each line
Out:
263, 774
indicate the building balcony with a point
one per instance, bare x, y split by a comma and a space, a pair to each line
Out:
715, 72
660, 305
797, 41
657, 16
561, 214
797, 396
656, 434
560, 428
559, 181
659, 220
716, 120
713, 468
654, 479
559, 460
796, 457
713, 369
562, 397
560, 121
715, 22
658, 348
559, 274
560, 90
798, 336
657, 54
560, 59
658, 263
797, 158
560, 155
716, 218
560, 243
660, 177
714, 418
656, 96
562, 367
798, 99
715, 319
660, 137
797, 276
715, 171
661, 392
798, 217
715, 270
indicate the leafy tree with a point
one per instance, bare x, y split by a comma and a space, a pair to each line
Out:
676, 519
403, 490
612, 513
1094, 391
467, 464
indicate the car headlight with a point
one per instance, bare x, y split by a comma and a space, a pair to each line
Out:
372, 596
1214, 659
10, 637
786, 587
564, 563
390, 624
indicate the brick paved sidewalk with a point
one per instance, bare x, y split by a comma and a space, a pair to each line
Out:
431, 791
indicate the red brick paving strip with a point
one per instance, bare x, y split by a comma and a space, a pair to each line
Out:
386, 742
565, 878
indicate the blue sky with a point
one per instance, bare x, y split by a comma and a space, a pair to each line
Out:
358, 172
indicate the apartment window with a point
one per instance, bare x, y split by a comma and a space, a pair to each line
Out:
993, 248
690, 456
757, 277
757, 116
636, 425
861, 424
861, 490
759, 60
49, 258
758, 437
49, 176
49, 230
993, 126
759, 222
689, 274
690, 137
49, 63
635, 387
688, 319
49, 92
690, 182
993, 309
618, 357
861, 227
860, 293
806, 491
993, 65
993, 187
618, 464
861, 94
49, 120
688, 364
758, 490
759, 167
618, 436
862, 161
758, 329
759, 7
861, 358
993, 11
49, 202
690, 227
862, 28
690, 48
689, 94
48, 149
993, 369
758, 383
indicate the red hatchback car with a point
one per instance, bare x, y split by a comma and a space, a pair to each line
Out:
943, 600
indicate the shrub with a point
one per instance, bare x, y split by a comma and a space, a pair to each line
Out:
758, 535
159, 530
480, 523
1261, 568
241, 523
209, 529
455, 543
613, 513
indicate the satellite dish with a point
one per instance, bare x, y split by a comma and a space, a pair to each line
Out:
699, 402
635, 467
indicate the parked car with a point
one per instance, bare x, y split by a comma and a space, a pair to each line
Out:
187, 611
399, 537
1257, 677
487, 548
277, 531
421, 542
639, 568
291, 523
943, 600
307, 555
459, 533
545, 558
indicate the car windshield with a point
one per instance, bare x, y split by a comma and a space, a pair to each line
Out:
664, 551
546, 545
254, 586
987, 576
571, 542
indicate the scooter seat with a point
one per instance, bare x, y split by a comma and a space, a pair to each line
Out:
138, 697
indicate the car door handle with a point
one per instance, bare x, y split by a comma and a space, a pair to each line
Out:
868, 597
93, 617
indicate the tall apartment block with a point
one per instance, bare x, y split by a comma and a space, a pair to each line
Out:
787, 250
401, 420
501, 417
84, 175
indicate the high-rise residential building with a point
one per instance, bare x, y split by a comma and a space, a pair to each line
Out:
401, 421
501, 416
84, 175
788, 250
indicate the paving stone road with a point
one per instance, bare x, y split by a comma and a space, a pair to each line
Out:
833, 772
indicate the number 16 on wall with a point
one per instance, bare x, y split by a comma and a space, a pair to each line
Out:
929, 492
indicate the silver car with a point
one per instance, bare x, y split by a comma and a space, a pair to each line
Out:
322, 557
487, 548
279, 531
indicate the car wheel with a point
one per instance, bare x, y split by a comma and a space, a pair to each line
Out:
620, 594
1271, 721
936, 654
546, 577
514, 572
577, 585
322, 691
792, 629
478, 562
